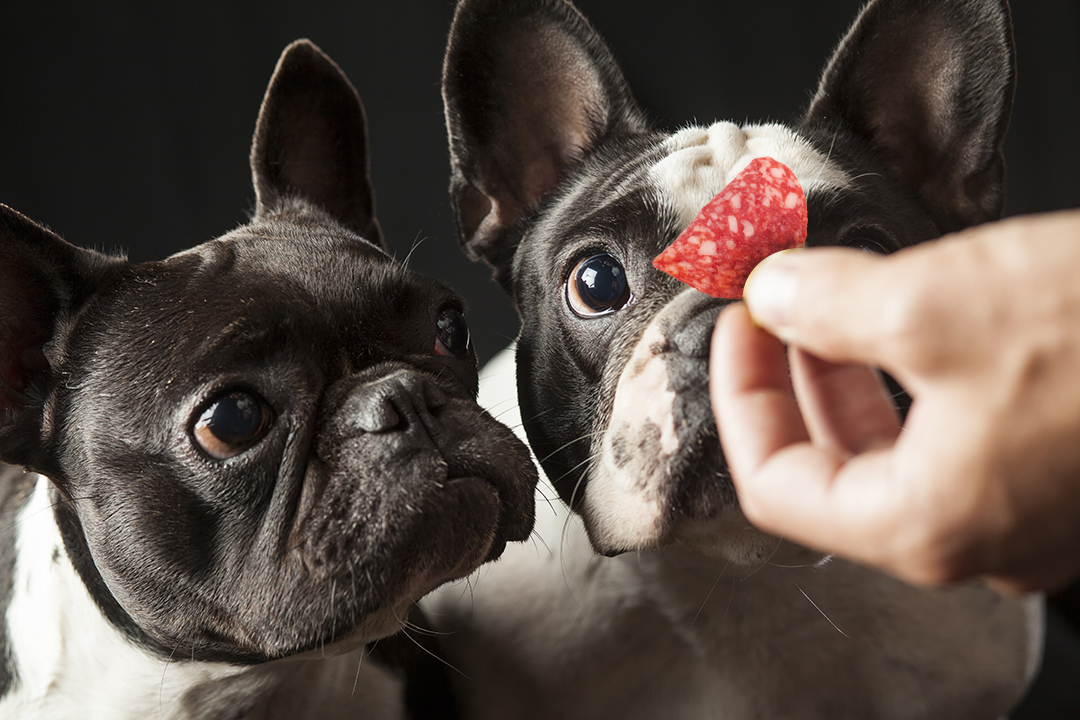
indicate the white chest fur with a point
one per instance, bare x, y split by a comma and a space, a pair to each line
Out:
554, 631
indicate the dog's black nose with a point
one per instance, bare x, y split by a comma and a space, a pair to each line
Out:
389, 402
694, 337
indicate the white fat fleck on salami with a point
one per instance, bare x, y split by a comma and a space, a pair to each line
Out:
701, 161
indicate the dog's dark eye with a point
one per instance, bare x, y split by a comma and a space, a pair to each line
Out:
598, 286
868, 244
451, 333
231, 424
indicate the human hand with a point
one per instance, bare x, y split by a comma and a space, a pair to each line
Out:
982, 329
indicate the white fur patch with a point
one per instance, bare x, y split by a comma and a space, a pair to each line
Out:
35, 591
702, 160
645, 381
622, 500
68, 659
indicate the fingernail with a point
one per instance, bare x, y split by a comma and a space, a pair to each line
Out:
769, 292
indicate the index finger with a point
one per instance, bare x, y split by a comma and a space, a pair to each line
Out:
751, 392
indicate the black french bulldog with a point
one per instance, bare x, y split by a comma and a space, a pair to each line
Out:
561, 184
245, 462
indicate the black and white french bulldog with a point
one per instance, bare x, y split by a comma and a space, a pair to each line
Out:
561, 185
245, 462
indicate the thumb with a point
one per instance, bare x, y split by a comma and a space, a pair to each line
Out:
828, 301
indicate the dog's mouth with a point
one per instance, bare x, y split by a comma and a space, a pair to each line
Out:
432, 483
511, 524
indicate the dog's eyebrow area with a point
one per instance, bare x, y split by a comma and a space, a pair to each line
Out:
701, 160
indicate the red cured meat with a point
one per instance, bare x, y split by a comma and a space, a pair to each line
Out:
761, 211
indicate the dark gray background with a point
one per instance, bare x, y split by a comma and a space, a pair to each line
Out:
126, 124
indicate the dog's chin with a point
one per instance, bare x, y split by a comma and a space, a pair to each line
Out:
709, 524
495, 515
375, 626
634, 509
464, 547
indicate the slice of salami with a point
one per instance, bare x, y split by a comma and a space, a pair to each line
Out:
761, 211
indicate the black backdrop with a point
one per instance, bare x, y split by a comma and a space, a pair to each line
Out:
126, 124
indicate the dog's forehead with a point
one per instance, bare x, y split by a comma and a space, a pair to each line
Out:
326, 267
697, 162
312, 284
312, 254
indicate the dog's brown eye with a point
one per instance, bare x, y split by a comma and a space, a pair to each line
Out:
231, 424
451, 333
598, 286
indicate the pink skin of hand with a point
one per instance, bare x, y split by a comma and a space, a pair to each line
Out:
982, 328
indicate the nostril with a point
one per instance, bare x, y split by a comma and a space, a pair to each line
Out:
376, 415
418, 390
394, 402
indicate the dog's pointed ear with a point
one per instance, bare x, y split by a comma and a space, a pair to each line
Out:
43, 280
311, 141
529, 89
930, 84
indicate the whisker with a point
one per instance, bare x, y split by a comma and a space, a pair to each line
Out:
511, 407
442, 660
819, 609
540, 414
579, 438
356, 678
581, 478
828, 157
706, 600
161, 685
793, 567
731, 595
535, 536
867, 174
406, 625
417, 241
562, 564
51, 507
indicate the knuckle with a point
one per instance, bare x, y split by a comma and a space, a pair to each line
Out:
952, 544
929, 560
909, 330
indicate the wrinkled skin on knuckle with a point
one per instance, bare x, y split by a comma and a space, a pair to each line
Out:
933, 557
